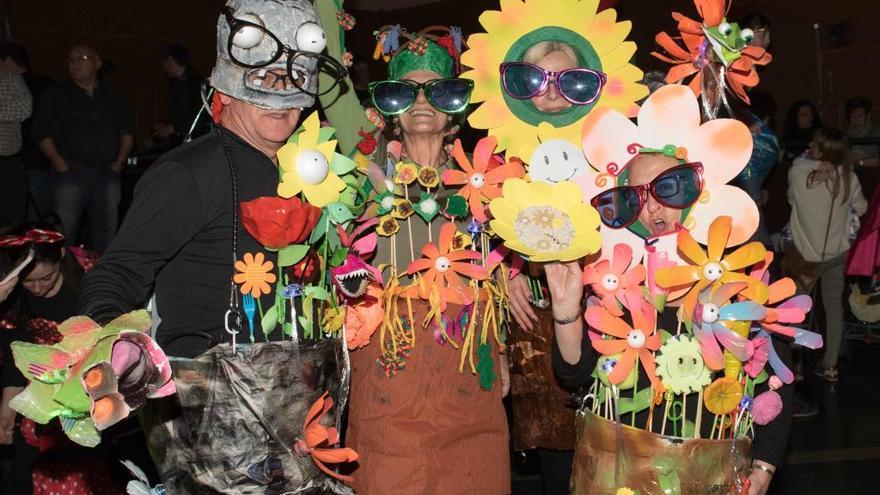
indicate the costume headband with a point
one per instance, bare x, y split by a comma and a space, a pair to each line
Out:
37, 236
436, 49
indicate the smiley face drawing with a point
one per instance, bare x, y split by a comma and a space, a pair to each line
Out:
680, 365
557, 160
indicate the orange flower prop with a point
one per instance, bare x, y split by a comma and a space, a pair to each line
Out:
613, 283
254, 274
710, 268
482, 182
636, 343
319, 439
723, 395
363, 318
443, 268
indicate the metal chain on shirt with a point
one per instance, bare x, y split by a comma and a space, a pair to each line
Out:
233, 320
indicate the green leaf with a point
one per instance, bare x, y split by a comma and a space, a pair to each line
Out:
318, 293
269, 321
326, 134
338, 213
338, 256
761, 378
320, 229
341, 164
287, 329
688, 429
641, 401
664, 336
292, 254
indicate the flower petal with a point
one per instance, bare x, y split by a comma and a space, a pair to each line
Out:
719, 232
601, 320
610, 347
747, 255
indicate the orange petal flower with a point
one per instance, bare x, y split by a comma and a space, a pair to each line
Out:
710, 268
612, 282
254, 274
319, 439
482, 180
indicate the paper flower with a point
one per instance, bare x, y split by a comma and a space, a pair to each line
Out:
427, 207
712, 312
713, 45
388, 226
277, 223
597, 37
634, 343
671, 116
711, 267
311, 166
405, 173
93, 377
442, 268
723, 395
680, 365
545, 222
612, 282
482, 181
363, 317
318, 440
254, 274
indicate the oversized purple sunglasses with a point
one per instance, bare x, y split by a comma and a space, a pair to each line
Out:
522, 80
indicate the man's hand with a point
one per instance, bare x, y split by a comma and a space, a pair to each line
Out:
7, 414
7, 288
117, 166
60, 166
520, 302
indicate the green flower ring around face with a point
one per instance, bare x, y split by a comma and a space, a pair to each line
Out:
544, 228
680, 365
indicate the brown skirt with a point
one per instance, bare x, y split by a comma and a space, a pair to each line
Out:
427, 429
609, 457
542, 416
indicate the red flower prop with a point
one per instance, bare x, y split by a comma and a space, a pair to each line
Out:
277, 222
319, 440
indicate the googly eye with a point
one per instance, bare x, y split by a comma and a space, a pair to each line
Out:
747, 35
442, 264
312, 167
248, 36
565, 155
311, 38
546, 160
712, 271
725, 28
710, 313
636, 339
610, 282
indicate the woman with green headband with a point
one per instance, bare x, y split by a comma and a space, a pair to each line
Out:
420, 424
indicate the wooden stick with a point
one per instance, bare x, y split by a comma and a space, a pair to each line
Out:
665, 416
699, 423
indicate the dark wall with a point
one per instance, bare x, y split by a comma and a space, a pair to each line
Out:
131, 35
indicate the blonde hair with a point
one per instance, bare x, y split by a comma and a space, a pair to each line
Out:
541, 49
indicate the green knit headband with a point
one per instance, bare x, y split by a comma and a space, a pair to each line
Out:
435, 59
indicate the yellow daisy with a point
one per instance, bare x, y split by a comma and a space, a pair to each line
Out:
312, 167
545, 222
597, 37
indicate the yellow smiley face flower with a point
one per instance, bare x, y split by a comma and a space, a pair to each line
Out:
311, 166
545, 222
599, 42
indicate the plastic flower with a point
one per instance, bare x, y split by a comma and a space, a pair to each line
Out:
712, 311
671, 116
443, 268
254, 274
611, 281
318, 440
711, 267
545, 222
723, 395
311, 166
388, 226
480, 182
276, 222
599, 34
681, 366
713, 40
405, 173
634, 343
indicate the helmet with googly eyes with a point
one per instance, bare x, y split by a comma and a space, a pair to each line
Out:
267, 52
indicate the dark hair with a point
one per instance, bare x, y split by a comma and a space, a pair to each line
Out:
17, 53
46, 252
755, 21
177, 53
834, 147
791, 131
856, 103
763, 106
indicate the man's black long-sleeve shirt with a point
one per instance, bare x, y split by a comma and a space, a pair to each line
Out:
177, 236
770, 441
86, 128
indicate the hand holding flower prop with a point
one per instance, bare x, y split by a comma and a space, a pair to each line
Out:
634, 343
712, 311
318, 440
613, 283
712, 268
481, 180
443, 268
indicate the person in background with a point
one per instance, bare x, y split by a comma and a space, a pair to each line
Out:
823, 192
85, 128
764, 154
859, 126
14, 57
15, 108
760, 24
801, 123
184, 97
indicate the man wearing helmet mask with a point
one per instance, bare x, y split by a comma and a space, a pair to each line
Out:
178, 235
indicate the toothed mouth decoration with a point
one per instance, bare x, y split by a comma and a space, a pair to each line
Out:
352, 278
277, 80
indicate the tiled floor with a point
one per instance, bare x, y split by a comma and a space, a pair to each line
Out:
836, 452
